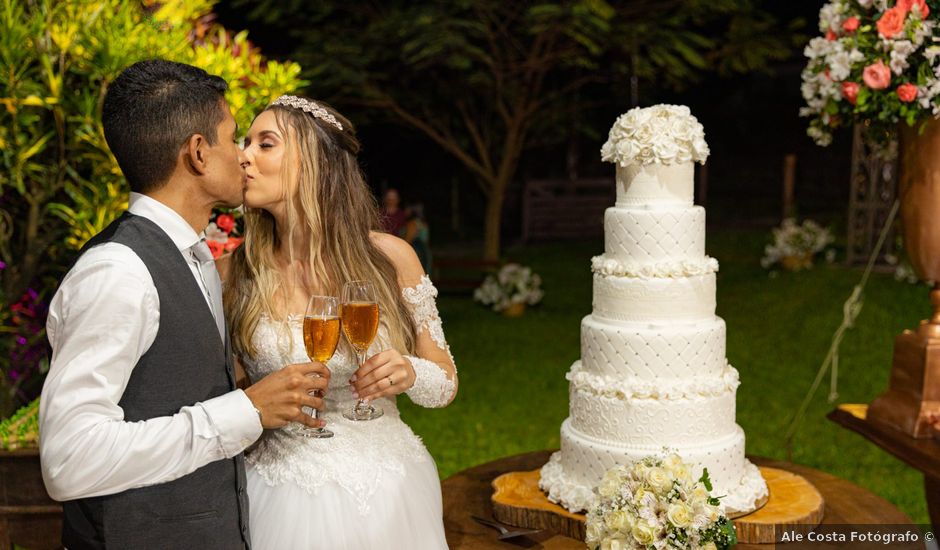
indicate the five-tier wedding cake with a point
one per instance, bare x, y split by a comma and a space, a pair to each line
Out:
653, 373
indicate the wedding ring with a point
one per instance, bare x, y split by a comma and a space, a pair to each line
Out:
390, 383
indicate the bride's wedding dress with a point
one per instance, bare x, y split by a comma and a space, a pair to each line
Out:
373, 484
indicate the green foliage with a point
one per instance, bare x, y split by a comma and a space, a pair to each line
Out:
59, 183
21, 430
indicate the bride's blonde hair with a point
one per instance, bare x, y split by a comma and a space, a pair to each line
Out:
333, 203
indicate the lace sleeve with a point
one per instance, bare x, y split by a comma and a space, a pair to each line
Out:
432, 387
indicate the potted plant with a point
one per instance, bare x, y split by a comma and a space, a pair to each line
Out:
510, 290
795, 245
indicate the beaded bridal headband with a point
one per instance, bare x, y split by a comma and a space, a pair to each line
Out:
308, 106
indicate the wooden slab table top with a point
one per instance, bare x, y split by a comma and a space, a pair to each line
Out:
920, 454
468, 493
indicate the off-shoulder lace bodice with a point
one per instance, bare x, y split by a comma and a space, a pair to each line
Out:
360, 453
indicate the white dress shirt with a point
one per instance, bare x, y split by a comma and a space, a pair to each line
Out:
102, 319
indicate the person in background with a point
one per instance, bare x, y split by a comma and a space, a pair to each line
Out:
415, 231
393, 217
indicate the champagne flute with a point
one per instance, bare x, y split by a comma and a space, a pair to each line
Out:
321, 334
360, 315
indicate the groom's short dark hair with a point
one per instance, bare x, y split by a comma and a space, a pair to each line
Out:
149, 112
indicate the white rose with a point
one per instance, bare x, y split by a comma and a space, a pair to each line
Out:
610, 487
672, 461
666, 150
619, 520
594, 532
660, 480
639, 471
625, 149
682, 473
679, 514
614, 544
643, 533
699, 494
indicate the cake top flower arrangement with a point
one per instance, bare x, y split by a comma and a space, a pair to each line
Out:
656, 504
878, 62
665, 134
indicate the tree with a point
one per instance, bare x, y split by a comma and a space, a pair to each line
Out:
59, 183
475, 76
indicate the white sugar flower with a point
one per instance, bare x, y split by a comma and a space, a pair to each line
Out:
666, 134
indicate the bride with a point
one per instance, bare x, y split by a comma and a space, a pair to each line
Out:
310, 227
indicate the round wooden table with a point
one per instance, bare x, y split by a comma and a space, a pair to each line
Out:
467, 493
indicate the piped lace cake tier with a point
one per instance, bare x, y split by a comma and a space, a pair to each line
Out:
655, 236
572, 473
653, 376
653, 351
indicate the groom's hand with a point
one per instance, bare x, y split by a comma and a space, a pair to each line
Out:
281, 395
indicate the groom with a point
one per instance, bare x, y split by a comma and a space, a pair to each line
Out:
142, 427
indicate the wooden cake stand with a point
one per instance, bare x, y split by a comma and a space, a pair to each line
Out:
794, 505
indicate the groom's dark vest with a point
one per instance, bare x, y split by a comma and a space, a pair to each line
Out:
186, 364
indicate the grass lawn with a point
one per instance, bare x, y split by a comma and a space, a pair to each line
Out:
513, 393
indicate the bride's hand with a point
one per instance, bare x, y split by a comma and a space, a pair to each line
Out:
385, 373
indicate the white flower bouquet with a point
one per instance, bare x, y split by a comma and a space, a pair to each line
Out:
795, 245
666, 134
513, 284
656, 504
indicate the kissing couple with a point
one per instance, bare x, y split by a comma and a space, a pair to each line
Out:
167, 366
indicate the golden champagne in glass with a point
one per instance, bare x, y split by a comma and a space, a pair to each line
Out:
361, 323
321, 334
360, 320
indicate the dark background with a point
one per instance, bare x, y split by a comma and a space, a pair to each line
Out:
751, 123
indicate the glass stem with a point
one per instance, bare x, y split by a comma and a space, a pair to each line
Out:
360, 358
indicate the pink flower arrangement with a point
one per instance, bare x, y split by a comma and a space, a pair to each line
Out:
877, 76
891, 22
222, 234
850, 91
877, 61
226, 222
907, 92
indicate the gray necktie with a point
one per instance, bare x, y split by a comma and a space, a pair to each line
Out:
211, 281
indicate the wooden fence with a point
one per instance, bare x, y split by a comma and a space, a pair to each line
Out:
565, 209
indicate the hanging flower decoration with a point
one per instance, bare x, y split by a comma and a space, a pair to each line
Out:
878, 62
